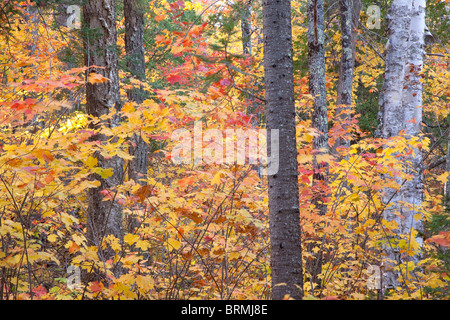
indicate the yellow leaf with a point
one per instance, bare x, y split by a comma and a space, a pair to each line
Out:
52, 238
131, 238
443, 177
91, 162
124, 155
174, 243
216, 180
144, 282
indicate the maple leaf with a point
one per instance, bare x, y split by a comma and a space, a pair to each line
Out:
91, 162
96, 78
174, 243
217, 178
173, 78
443, 177
443, 239
131, 238
160, 17
185, 182
96, 287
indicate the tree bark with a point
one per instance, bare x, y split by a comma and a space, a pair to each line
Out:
400, 107
317, 88
447, 169
134, 47
412, 191
285, 236
103, 217
246, 29
316, 56
349, 11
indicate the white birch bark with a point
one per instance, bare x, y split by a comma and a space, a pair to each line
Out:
401, 110
412, 191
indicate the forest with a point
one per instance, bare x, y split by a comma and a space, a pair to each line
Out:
224, 150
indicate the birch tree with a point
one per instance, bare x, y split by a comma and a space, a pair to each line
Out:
284, 215
401, 110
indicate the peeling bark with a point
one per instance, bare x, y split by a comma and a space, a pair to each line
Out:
400, 109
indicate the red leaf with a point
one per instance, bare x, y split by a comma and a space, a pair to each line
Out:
96, 287
174, 78
225, 82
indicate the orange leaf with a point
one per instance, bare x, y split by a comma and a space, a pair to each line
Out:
74, 247
96, 78
160, 17
443, 239
96, 287
185, 182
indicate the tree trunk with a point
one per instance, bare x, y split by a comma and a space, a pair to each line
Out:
447, 169
346, 68
285, 237
246, 29
134, 47
316, 56
103, 217
391, 116
400, 110
412, 191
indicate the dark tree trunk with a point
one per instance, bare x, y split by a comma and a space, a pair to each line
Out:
246, 29
447, 168
345, 82
103, 217
134, 46
285, 236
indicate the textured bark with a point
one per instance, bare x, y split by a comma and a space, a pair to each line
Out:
447, 168
316, 56
316, 59
399, 19
286, 259
412, 191
391, 119
401, 110
103, 217
134, 47
349, 11
246, 29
